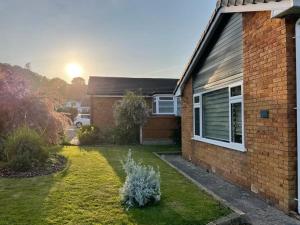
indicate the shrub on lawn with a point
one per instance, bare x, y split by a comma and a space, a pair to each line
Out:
88, 135
123, 136
25, 149
142, 184
130, 114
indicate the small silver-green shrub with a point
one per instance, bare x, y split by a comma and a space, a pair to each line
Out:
142, 184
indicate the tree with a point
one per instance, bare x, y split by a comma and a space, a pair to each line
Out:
77, 89
78, 81
21, 106
131, 113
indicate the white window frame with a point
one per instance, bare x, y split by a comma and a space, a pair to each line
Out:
235, 99
156, 98
196, 106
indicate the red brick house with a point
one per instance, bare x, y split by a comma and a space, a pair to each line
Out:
104, 92
239, 98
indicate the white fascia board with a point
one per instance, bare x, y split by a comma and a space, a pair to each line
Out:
115, 96
178, 92
270, 6
279, 13
195, 56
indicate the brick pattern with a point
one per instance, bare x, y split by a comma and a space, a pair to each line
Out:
269, 165
102, 111
160, 127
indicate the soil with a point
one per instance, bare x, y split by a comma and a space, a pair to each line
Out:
54, 164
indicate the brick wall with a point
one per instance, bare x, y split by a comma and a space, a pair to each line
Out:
160, 128
102, 111
157, 127
268, 167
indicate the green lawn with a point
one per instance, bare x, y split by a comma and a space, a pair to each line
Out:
87, 192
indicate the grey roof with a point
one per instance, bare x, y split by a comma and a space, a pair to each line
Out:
113, 86
243, 2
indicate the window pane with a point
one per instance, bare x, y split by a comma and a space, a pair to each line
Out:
216, 115
197, 121
236, 122
196, 99
178, 106
154, 106
166, 98
166, 107
236, 91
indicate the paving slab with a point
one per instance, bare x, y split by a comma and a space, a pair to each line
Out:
256, 210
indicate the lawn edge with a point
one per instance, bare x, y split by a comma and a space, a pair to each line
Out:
235, 218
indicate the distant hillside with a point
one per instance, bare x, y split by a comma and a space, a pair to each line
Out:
55, 88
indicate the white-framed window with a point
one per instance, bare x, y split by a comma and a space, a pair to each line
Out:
218, 116
164, 105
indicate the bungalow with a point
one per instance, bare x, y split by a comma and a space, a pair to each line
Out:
104, 92
239, 105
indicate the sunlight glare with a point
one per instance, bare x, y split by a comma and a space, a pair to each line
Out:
74, 70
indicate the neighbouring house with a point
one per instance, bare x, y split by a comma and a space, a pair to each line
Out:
81, 106
160, 127
238, 92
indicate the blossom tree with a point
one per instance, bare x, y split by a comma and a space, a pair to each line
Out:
21, 106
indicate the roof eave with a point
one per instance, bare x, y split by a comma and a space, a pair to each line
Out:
200, 46
270, 6
294, 8
282, 8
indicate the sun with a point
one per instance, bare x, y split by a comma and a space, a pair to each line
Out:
74, 70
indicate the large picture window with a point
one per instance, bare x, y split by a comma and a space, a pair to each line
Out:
218, 117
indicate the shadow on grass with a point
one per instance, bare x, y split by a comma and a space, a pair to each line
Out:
23, 199
178, 204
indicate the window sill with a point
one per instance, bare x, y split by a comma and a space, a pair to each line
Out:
232, 146
163, 114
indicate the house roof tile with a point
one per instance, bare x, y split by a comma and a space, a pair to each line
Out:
226, 3
115, 86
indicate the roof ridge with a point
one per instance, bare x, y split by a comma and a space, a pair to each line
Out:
120, 77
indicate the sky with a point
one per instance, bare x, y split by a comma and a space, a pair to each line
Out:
134, 38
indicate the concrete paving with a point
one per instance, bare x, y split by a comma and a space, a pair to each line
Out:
71, 135
257, 211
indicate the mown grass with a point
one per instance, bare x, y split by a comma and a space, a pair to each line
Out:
87, 192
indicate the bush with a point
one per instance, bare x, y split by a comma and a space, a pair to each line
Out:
25, 149
142, 184
130, 114
21, 106
122, 136
73, 112
88, 135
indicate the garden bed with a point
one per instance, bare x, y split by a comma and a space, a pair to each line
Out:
54, 164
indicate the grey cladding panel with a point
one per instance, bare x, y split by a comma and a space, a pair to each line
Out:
224, 61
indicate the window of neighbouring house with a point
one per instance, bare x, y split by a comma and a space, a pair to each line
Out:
163, 105
178, 106
218, 117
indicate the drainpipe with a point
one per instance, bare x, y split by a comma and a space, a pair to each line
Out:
297, 37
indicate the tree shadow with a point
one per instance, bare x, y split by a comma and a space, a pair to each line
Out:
23, 199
